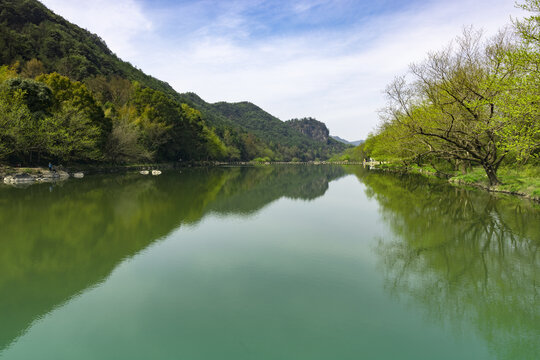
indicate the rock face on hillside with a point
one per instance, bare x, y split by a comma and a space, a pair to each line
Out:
310, 127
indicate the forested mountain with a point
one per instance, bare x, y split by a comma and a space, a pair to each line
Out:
341, 140
283, 138
48, 64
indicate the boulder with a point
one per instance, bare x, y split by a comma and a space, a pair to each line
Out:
19, 179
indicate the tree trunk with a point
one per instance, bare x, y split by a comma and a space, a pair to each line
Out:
491, 172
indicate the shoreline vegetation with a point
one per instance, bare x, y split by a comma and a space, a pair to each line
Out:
524, 182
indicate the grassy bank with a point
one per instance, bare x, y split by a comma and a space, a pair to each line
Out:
524, 181
520, 180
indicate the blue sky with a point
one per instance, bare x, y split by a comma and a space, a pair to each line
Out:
255, 20
327, 59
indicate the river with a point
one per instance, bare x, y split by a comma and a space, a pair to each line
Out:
270, 262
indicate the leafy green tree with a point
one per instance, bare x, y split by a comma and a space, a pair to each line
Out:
124, 143
72, 135
74, 94
26, 103
520, 103
7, 72
33, 68
529, 27
37, 96
115, 90
450, 107
14, 114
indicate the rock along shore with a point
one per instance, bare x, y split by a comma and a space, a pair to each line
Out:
38, 176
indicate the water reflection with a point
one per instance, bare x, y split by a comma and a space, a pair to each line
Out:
55, 244
463, 256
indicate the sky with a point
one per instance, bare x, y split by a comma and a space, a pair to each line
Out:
327, 59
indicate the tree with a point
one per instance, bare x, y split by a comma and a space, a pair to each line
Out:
529, 28
124, 141
7, 72
521, 102
72, 135
450, 107
37, 96
25, 105
33, 68
13, 114
75, 95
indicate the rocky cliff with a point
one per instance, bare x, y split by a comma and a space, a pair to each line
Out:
310, 127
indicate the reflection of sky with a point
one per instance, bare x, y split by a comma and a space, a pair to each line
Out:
297, 281
321, 58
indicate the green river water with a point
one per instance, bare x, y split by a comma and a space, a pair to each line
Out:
271, 262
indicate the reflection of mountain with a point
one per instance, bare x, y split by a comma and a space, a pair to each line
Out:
251, 189
465, 256
57, 241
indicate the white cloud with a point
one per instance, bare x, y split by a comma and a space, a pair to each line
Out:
337, 77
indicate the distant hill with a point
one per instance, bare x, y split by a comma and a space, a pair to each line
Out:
341, 140
290, 139
282, 138
29, 31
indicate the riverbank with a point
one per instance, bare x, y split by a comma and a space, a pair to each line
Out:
31, 175
72, 170
523, 181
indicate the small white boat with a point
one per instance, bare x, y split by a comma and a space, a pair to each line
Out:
156, 172
144, 172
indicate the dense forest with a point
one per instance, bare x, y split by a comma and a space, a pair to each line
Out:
65, 97
267, 135
475, 103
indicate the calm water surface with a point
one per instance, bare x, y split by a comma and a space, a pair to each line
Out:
291, 262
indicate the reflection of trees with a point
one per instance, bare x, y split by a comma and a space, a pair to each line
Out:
250, 189
465, 256
57, 241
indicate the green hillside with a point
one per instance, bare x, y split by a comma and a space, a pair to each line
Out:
28, 30
285, 138
47, 64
